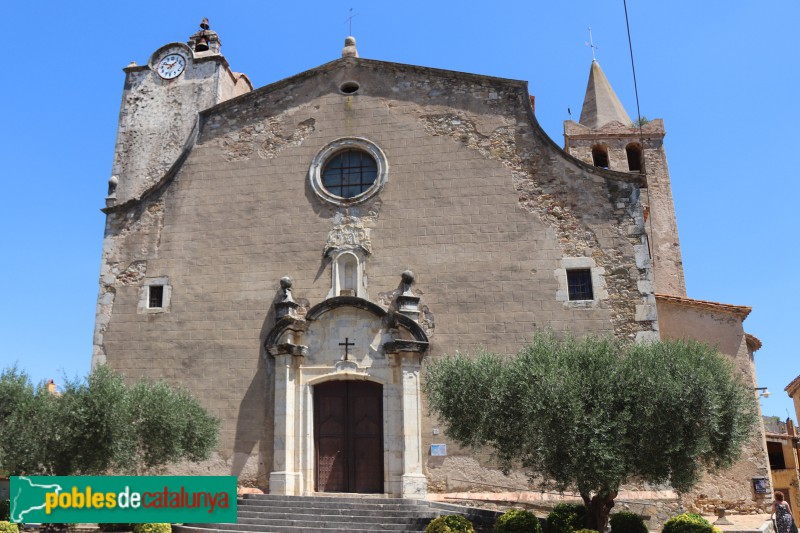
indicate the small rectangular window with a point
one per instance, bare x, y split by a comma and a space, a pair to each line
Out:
580, 284
155, 297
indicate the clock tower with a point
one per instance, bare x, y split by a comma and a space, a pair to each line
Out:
159, 111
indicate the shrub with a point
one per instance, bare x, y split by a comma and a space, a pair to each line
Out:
114, 528
8, 527
566, 518
517, 521
152, 528
625, 522
688, 523
5, 506
453, 523
586, 531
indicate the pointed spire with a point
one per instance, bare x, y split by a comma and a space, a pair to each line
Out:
601, 105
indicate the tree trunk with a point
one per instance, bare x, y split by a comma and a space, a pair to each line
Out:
598, 508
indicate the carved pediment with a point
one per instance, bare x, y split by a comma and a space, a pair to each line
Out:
348, 233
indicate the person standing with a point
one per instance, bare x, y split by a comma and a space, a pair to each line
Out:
784, 522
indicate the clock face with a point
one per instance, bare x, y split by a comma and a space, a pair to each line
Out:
171, 66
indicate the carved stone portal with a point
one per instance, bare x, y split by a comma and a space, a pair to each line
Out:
346, 338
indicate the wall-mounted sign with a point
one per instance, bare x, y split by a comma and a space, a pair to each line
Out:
760, 485
438, 450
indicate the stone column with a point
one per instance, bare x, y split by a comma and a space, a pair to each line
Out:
284, 478
414, 482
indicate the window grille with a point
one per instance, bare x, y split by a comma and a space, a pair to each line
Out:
349, 173
155, 297
579, 282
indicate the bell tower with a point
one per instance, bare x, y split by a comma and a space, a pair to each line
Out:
606, 137
160, 103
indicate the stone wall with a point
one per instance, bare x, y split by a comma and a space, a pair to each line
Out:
721, 326
479, 203
662, 227
157, 116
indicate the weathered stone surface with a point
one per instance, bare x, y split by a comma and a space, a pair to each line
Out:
485, 209
659, 222
722, 327
478, 202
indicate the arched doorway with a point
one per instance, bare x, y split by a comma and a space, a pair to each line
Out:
348, 436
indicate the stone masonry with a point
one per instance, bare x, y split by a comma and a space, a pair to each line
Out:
478, 202
261, 274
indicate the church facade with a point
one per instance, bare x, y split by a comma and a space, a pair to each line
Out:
294, 254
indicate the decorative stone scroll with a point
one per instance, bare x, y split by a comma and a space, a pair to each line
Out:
348, 233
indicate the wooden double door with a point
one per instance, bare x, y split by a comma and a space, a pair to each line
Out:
348, 436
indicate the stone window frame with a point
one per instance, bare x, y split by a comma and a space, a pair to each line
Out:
144, 296
599, 291
339, 145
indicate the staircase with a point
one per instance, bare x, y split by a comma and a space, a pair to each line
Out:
266, 513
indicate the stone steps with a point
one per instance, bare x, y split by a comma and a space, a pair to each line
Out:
331, 514
266, 513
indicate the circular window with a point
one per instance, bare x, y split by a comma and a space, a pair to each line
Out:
348, 171
349, 87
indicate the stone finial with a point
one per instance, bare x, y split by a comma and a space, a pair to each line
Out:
407, 301
286, 306
111, 199
349, 49
113, 181
408, 280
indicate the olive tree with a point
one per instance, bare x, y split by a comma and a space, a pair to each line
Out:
590, 414
98, 424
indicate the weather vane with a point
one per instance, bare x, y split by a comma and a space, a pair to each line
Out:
350, 20
590, 44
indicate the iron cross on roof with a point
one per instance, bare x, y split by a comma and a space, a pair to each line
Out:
346, 345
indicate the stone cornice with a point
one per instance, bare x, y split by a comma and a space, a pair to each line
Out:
738, 310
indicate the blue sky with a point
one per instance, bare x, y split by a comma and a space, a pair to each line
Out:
723, 76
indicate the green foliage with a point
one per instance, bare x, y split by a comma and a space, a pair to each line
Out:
586, 531
98, 424
639, 122
625, 522
566, 518
8, 527
590, 414
152, 528
447, 524
170, 424
5, 509
687, 523
517, 521
24, 410
115, 528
